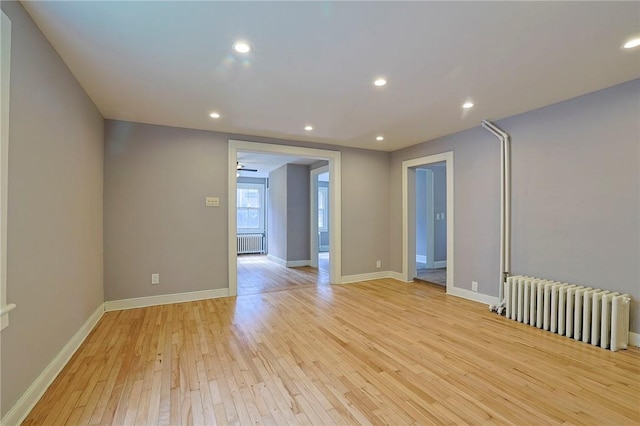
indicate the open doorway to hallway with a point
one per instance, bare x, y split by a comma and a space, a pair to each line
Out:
324, 241
431, 227
420, 251
275, 219
320, 219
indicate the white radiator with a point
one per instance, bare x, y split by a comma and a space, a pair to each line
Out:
595, 316
250, 243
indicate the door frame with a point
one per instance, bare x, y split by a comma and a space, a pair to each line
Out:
429, 220
335, 218
313, 238
409, 215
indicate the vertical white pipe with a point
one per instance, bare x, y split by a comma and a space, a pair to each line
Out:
505, 202
502, 221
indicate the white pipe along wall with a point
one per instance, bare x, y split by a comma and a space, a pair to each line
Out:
505, 202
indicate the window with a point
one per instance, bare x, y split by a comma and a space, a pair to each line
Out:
323, 219
250, 207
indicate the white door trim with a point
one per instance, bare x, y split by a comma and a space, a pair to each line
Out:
335, 229
408, 226
5, 70
314, 214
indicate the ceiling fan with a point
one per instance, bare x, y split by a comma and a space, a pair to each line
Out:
241, 168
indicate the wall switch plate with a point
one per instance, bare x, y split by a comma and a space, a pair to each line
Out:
155, 278
378, 264
212, 202
474, 285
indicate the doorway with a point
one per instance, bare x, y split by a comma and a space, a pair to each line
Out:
274, 220
431, 230
320, 220
420, 174
332, 159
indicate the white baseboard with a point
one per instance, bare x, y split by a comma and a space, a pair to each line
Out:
288, 263
296, 263
277, 260
472, 295
397, 276
421, 259
165, 299
347, 279
32, 395
634, 339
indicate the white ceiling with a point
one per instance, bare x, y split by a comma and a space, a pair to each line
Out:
171, 63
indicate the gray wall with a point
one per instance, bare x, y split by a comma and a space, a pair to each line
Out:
421, 212
298, 212
155, 220
575, 195
277, 213
55, 208
365, 211
440, 206
289, 212
156, 179
323, 236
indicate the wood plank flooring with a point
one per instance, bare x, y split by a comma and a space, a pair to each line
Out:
257, 274
377, 352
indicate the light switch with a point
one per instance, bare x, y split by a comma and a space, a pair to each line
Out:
212, 202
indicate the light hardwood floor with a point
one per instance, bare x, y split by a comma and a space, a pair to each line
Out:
377, 352
258, 274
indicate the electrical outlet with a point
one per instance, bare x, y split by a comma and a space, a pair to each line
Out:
474, 285
155, 278
212, 201
378, 264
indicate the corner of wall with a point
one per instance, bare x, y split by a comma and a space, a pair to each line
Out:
38, 387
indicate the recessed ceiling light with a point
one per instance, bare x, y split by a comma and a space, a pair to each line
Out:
214, 115
242, 47
467, 105
379, 82
634, 42
308, 128
379, 138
